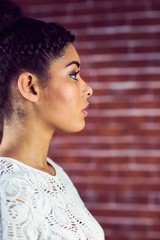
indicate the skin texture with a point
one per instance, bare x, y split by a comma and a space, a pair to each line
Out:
59, 105
66, 95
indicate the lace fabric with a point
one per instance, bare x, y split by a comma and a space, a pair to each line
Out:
36, 205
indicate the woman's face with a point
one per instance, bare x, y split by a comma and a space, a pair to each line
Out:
66, 95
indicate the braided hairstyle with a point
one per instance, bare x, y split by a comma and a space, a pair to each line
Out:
26, 44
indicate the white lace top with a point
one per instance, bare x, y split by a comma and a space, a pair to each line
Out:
35, 205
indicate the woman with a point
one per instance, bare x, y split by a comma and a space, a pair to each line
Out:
41, 91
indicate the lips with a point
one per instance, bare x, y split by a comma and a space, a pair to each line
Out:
85, 110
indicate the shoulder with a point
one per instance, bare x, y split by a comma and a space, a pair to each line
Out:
10, 167
17, 182
14, 174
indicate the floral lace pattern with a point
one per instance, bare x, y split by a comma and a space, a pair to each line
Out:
36, 205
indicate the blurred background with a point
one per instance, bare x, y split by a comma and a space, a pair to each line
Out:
115, 161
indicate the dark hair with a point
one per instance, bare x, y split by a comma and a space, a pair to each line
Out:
26, 44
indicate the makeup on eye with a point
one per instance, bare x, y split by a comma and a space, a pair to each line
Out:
73, 75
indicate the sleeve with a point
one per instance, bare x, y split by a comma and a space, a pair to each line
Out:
20, 215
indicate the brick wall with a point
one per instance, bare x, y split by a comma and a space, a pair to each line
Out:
115, 161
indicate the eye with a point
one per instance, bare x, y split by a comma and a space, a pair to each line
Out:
74, 75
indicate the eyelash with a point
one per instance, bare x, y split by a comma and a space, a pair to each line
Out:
74, 75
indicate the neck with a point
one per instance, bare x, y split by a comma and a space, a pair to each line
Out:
27, 142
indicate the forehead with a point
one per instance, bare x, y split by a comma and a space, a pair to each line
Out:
70, 55
70, 52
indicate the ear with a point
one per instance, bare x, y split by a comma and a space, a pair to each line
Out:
28, 86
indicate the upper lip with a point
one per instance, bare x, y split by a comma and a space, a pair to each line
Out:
87, 106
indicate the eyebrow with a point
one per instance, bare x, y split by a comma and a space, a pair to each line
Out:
73, 62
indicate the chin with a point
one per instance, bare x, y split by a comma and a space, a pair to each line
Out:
78, 128
74, 129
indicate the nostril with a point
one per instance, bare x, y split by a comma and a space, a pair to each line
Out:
90, 92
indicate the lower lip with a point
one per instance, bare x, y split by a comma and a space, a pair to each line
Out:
85, 113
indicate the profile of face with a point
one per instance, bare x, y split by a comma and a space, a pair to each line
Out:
65, 96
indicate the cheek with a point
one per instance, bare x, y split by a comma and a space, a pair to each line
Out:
66, 95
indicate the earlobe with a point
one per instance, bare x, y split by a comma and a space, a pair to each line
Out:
28, 86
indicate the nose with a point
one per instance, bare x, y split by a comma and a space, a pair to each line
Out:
89, 91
